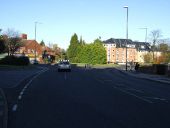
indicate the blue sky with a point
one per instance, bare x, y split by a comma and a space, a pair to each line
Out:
88, 18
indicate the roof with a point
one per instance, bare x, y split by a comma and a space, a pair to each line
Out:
30, 42
121, 43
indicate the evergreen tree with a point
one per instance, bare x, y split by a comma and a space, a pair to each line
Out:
93, 53
73, 49
42, 43
99, 52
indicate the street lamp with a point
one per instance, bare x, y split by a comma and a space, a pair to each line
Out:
126, 7
35, 49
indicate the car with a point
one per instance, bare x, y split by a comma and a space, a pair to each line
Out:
34, 62
64, 66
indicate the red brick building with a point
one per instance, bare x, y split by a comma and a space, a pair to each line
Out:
31, 48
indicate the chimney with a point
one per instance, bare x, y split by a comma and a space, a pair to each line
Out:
24, 36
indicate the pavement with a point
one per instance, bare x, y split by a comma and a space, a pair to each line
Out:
11, 78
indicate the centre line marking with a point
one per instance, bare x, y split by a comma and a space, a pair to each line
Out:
19, 97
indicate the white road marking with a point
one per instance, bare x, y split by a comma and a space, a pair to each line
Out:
44, 69
129, 93
157, 98
19, 97
26, 86
21, 93
14, 108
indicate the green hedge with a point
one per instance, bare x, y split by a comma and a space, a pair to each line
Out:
13, 60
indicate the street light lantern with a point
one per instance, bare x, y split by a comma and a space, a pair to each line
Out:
126, 33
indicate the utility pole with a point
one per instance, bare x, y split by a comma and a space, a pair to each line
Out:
35, 47
126, 31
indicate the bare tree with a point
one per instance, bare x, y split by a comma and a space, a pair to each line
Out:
13, 41
155, 35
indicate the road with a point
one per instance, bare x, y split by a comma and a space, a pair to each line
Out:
96, 98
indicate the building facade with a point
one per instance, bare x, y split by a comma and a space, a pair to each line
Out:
30, 48
116, 50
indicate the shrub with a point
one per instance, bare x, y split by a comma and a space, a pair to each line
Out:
23, 60
13, 60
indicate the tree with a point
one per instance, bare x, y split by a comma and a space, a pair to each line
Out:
13, 41
155, 35
163, 47
55, 48
93, 53
148, 58
73, 50
99, 52
42, 43
57, 51
2, 46
82, 42
165, 55
2, 43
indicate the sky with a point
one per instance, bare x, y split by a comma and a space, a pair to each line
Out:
91, 19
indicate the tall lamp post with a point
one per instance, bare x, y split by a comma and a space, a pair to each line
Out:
35, 49
126, 7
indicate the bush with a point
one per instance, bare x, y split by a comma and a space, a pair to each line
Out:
23, 60
13, 60
146, 69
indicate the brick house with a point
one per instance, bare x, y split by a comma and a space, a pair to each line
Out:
30, 48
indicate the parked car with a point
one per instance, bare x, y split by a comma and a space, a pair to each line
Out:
34, 61
64, 66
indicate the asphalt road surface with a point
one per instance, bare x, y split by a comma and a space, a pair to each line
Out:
96, 98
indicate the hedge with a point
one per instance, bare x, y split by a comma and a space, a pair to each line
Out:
13, 60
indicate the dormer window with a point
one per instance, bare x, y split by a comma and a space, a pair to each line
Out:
142, 46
